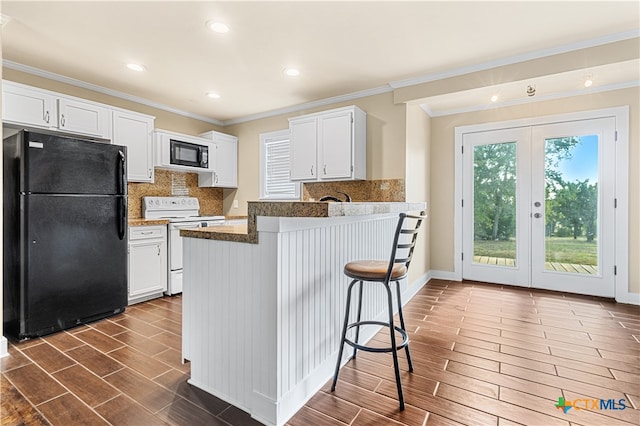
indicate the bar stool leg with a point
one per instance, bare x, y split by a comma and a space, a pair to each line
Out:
344, 335
358, 319
406, 348
394, 349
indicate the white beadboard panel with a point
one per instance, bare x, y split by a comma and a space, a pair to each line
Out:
262, 322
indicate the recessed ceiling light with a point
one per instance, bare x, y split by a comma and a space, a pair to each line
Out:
494, 98
213, 95
588, 82
135, 67
217, 27
292, 72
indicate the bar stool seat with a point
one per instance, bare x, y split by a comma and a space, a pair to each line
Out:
374, 270
381, 271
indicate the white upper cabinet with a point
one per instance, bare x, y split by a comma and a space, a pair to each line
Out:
330, 145
29, 106
225, 161
303, 147
75, 116
135, 131
24, 105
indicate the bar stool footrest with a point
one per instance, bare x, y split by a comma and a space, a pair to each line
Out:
403, 333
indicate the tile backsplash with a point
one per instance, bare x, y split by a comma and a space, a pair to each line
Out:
169, 183
386, 190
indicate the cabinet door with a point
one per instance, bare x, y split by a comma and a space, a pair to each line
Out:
83, 117
335, 145
303, 149
135, 131
226, 162
147, 269
21, 105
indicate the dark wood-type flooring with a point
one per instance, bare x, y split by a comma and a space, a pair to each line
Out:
483, 354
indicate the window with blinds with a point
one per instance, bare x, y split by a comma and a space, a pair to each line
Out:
275, 168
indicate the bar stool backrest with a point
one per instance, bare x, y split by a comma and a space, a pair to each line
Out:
404, 240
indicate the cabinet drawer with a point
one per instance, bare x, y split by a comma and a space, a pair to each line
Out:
146, 232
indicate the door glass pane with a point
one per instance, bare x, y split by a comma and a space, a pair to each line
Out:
571, 204
494, 204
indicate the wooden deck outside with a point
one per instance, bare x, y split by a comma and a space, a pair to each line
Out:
549, 266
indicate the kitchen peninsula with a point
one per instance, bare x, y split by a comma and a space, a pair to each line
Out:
263, 305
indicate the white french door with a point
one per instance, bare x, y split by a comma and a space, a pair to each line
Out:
539, 206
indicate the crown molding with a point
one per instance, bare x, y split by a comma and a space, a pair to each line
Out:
309, 105
559, 95
115, 93
356, 95
516, 59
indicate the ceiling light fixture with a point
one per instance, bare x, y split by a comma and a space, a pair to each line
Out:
588, 82
494, 98
217, 27
292, 72
136, 67
531, 90
213, 95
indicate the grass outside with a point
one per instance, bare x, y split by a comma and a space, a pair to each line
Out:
558, 249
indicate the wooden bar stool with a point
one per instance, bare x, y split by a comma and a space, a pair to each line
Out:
382, 271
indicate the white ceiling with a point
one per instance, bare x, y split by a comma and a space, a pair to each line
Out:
339, 47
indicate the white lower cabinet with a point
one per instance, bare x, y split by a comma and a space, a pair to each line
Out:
147, 262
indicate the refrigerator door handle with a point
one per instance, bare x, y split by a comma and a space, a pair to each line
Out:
122, 217
123, 176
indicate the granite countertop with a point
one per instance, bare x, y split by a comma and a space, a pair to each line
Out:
147, 222
249, 234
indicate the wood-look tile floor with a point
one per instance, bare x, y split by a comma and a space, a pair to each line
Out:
125, 370
483, 354
487, 354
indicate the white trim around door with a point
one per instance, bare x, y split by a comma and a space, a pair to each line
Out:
621, 215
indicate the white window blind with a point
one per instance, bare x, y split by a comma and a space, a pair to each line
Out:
275, 167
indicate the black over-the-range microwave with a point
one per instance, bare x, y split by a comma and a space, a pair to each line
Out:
188, 154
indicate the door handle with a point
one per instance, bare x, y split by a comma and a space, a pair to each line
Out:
123, 176
122, 217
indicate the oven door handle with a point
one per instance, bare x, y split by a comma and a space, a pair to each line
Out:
185, 226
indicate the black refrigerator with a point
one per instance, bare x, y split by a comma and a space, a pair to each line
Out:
65, 226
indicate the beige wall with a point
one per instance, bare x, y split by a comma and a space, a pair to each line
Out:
386, 134
442, 166
417, 178
164, 120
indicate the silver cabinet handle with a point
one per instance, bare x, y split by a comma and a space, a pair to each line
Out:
149, 173
158, 249
46, 117
312, 170
324, 169
537, 215
62, 120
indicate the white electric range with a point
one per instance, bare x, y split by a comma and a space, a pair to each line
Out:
182, 213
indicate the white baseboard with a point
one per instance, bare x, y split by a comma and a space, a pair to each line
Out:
4, 350
445, 275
